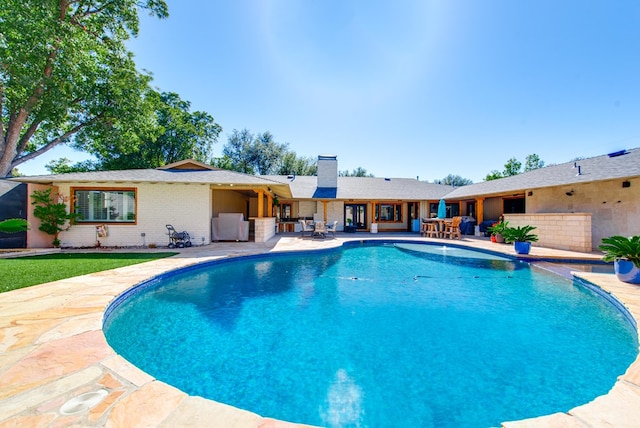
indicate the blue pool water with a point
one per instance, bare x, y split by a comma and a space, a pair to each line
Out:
377, 335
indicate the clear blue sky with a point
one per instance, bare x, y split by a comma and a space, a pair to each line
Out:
406, 88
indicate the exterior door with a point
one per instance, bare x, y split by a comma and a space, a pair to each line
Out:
358, 215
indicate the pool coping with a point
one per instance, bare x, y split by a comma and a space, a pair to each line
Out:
54, 350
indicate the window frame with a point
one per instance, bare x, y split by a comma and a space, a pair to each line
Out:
396, 209
81, 220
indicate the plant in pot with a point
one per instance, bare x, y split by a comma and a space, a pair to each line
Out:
521, 237
625, 254
349, 228
496, 230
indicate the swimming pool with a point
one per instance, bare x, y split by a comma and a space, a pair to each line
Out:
376, 334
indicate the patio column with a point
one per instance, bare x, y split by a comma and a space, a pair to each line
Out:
260, 203
324, 209
269, 205
479, 210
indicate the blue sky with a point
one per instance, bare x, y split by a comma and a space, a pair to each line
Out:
406, 88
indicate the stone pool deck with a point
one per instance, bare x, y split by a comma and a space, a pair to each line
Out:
52, 351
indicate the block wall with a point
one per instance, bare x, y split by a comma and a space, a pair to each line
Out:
568, 231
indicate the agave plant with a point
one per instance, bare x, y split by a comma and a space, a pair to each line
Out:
621, 248
519, 234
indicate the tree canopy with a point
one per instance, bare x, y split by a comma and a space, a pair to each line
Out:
66, 76
261, 154
454, 180
514, 167
358, 172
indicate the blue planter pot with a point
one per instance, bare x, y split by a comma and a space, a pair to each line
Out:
626, 271
522, 247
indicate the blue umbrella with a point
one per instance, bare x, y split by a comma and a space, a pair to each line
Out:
442, 209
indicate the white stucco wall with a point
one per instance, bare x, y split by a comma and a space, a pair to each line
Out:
187, 207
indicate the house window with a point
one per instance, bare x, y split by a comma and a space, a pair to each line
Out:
391, 213
105, 205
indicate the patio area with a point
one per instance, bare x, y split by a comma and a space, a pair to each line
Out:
53, 349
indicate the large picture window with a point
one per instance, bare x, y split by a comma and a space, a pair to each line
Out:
105, 205
388, 213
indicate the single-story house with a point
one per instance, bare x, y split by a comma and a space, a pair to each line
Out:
573, 205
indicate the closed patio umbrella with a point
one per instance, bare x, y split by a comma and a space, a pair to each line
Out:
442, 209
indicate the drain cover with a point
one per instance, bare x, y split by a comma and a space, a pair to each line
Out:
83, 402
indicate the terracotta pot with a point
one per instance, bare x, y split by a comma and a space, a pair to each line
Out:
626, 271
499, 238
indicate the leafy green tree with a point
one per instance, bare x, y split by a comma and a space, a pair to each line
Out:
493, 175
239, 152
532, 162
267, 154
454, 180
64, 166
176, 134
52, 212
66, 75
512, 167
358, 172
254, 154
292, 164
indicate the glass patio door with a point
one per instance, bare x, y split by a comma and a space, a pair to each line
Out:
357, 213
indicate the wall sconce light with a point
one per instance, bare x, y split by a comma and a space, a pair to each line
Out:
626, 183
569, 193
530, 193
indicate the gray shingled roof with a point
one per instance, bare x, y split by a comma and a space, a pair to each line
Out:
599, 168
153, 175
366, 188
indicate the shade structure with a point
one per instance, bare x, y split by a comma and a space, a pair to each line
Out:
442, 209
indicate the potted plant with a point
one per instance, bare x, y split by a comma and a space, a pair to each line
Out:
625, 255
350, 228
496, 230
521, 237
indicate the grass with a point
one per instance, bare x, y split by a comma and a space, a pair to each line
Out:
23, 272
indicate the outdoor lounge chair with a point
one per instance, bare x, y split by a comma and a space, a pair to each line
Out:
332, 229
305, 228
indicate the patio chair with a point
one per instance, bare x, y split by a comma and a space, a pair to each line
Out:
305, 228
332, 229
319, 229
452, 229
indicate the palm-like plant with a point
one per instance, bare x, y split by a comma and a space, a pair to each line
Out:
519, 234
621, 248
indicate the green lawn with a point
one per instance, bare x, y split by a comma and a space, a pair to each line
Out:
25, 271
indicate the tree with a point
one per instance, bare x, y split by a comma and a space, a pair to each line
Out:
239, 152
52, 212
292, 164
64, 166
65, 73
267, 154
532, 162
512, 167
493, 175
251, 154
175, 134
454, 180
358, 172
